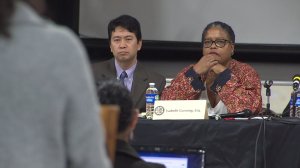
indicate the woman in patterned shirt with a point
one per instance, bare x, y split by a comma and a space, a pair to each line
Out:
231, 86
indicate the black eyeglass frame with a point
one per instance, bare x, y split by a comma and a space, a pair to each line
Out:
216, 43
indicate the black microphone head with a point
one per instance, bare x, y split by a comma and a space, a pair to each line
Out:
268, 83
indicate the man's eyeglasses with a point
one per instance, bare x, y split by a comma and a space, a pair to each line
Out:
219, 43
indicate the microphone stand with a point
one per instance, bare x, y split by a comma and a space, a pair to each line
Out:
267, 85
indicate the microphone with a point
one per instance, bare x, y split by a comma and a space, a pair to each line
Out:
296, 81
243, 114
268, 83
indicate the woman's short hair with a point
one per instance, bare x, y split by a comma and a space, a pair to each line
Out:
221, 25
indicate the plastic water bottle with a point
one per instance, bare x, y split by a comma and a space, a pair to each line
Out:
151, 96
295, 104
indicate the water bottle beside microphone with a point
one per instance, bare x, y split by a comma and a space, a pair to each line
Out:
151, 96
295, 98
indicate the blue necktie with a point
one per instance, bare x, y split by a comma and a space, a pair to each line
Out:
122, 77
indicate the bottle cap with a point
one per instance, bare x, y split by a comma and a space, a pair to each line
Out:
151, 84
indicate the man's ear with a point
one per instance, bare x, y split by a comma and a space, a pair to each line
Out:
140, 43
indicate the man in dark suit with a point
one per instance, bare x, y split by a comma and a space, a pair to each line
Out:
125, 39
112, 92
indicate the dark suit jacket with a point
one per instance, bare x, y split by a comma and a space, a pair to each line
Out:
127, 157
141, 79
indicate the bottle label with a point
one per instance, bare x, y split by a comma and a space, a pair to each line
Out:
295, 108
150, 98
297, 103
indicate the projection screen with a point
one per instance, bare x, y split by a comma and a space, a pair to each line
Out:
255, 21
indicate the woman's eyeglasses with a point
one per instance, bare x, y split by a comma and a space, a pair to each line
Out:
219, 43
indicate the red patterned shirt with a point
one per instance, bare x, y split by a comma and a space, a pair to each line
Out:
238, 87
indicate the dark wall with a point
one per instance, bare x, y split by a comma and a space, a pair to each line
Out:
64, 12
177, 51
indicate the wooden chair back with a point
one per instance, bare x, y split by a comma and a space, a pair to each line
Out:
110, 117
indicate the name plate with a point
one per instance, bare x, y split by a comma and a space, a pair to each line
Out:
180, 109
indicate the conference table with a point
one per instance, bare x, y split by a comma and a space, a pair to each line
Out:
253, 143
